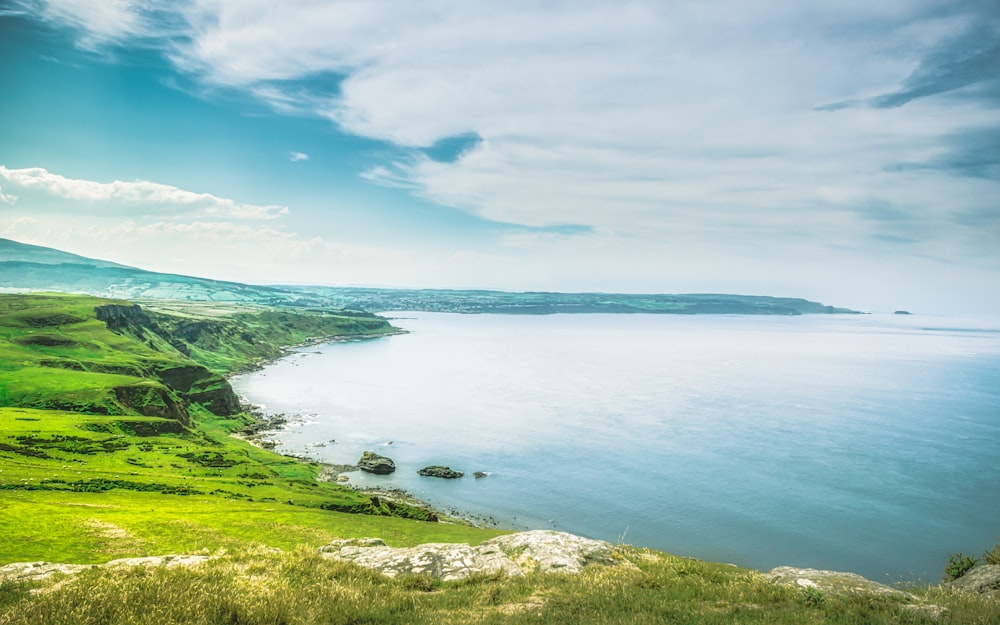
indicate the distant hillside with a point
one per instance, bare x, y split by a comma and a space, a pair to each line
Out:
12, 251
34, 268
540, 303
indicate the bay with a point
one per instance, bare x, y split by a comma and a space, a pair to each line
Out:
867, 443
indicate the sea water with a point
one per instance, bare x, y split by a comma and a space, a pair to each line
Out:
867, 443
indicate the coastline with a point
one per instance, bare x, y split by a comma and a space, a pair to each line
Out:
289, 350
261, 433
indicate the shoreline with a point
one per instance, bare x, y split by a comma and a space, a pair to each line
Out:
259, 433
288, 350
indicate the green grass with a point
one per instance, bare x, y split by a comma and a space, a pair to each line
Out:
256, 586
90, 416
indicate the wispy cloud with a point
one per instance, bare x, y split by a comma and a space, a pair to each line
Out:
732, 129
139, 195
6, 198
298, 156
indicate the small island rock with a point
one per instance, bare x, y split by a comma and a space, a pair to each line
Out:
439, 471
374, 463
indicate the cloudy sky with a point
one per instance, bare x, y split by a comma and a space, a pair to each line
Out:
845, 151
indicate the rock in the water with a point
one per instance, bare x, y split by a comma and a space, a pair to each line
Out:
515, 554
439, 471
481, 474
833, 582
984, 579
374, 463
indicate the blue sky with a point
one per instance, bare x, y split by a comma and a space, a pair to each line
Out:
843, 151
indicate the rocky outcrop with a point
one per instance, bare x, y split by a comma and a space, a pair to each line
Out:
117, 317
374, 463
33, 571
152, 400
540, 551
438, 471
984, 579
833, 582
199, 385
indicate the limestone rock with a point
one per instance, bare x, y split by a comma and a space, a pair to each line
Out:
42, 570
168, 561
549, 551
515, 554
833, 582
933, 612
374, 463
983, 579
38, 570
438, 471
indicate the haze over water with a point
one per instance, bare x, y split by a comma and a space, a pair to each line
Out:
863, 443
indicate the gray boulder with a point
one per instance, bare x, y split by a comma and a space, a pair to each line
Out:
439, 471
374, 463
833, 582
514, 555
984, 579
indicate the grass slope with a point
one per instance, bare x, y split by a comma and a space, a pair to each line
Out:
89, 416
264, 587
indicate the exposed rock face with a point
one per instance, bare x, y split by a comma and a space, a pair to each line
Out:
118, 317
38, 570
374, 463
833, 582
152, 400
439, 471
984, 579
516, 554
42, 570
199, 385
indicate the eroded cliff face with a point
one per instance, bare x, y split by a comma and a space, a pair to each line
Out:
192, 383
152, 400
199, 385
118, 317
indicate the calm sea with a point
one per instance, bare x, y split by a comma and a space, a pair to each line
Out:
867, 443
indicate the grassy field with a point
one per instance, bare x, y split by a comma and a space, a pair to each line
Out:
256, 586
119, 444
101, 430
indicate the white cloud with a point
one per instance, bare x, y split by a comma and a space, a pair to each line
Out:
6, 198
684, 126
99, 21
298, 156
611, 115
139, 195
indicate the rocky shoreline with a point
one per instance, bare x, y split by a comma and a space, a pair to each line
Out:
261, 433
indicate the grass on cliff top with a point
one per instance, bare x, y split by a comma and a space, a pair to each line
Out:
174, 484
89, 488
298, 586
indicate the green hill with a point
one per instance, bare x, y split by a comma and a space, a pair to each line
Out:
103, 401
33, 268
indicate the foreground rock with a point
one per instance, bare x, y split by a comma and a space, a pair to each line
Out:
515, 554
41, 570
438, 471
374, 463
983, 579
833, 582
